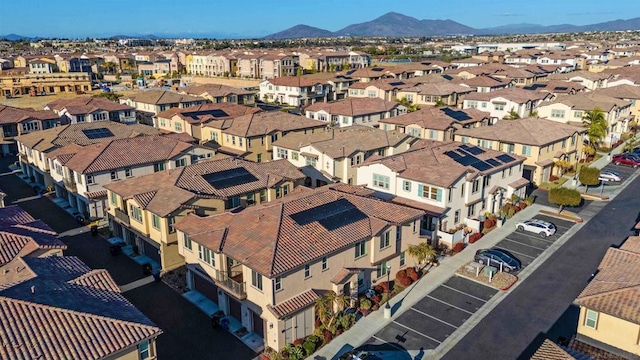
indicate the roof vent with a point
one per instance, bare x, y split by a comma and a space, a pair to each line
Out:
33, 289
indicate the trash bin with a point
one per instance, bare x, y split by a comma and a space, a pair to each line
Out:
94, 230
156, 275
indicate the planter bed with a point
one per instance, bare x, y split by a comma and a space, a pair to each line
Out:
501, 280
564, 215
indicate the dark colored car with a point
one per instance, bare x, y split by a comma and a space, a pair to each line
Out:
495, 257
626, 159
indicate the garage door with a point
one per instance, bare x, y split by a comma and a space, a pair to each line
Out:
258, 324
151, 251
235, 308
205, 287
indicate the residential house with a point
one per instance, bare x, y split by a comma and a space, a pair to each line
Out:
217, 93
377, 72
254, 265
70, 63
192, 119
80, 172
592, 81
34, 147
278, 65
542, 142
445, 94
566, 60
332, 155
143, 210
294, 90
249, 65
351, 111
484, 83
385, 89
18, 121
454, 183
339, 85
557, 87
468, 62
252, 136
628, 93
89, 109
609, 321
436, 123
40, 67
152, 102
572, 108
505, 103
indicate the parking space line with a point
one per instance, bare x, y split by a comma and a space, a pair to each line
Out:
417, 332
519, 243
521, 254
390, 343
534, 237
446, 303
433, 317
464, 293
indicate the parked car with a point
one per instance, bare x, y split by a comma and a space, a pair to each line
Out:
626, 159
495, 257
609, 176
540, 227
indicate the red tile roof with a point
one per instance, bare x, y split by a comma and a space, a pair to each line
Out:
294, 304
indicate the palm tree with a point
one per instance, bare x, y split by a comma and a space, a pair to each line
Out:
596, 125
513, 115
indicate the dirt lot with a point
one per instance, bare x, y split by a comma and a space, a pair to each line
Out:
38, 102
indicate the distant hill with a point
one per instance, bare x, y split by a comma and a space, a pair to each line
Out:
397, 25
15, 37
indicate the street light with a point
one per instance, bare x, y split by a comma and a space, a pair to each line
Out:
387, 307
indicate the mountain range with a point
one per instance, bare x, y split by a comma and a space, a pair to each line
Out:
397, 25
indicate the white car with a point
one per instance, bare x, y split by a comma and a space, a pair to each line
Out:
607, 176
540, 227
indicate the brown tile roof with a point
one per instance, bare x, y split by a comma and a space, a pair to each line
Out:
343, 274
556, 87
294, 304
214, 90
23, 240
438, 118
208, 112
484, 81
515, 94
528, 131
86, 105
593, 76
549, 350
343, 142
587, 101
439, 89
428, 162
430, 209
519, 183
268, 237
615, 290
621, 92
385, 84
58, 309
62, 135
355, 106
296, 81
264, 123
160, 97
590, 352
123, 153
14, 115
14, 215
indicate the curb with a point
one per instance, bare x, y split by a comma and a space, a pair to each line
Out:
513, 283
573, 218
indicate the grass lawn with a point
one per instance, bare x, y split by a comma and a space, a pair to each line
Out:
548, 185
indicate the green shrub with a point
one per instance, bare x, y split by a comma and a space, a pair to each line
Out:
309, 347
562, 197
589, 176
365, 304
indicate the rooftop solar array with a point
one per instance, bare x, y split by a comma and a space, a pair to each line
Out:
457, 115
397, 83
98, 133
505, 158
331, 216
465, 156
228, 178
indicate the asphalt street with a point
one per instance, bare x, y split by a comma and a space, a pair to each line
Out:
533, 307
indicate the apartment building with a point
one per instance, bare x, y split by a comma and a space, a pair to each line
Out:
484, 83
352, 111
16, 82
332, 155
19, 121
266, 266
252, 136
436, 123
557, 87
385, 89
143, 211
542, 142
447, 94
217, 93
150, 103
294, 90
504, 103
590, 80
609, 321
191, 120
88, 109
454, 183
41, 67
625, 92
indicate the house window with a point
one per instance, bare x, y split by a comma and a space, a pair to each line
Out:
250, 199
456, 217
464, 139
181, 162
307, 271
256, 280
475, 186
472, 210
403, 257
577, 114
283, 153
232, 202
114, 199
274, 138
155, 221
171, 222
433, 134
381, 181
285, 190
79, 178
526, 150
158, 167
90, 179
325, 263
144, 350
414, 132
187, 242
263, 196
128, 173
114, 175
462, 190
361, 249
277, 283
498, 107
178, 126
310, 161
398, 233
259, 158
135, 213
406, 185
564, 143
79, 118
415, 226
99, 116
206, 255
385, 240
557, 114
294, 155
382, 269
591, 319
278, 192
428, 192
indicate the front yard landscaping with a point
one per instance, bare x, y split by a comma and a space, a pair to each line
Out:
500, 280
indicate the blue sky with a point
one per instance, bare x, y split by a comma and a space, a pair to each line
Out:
77, 19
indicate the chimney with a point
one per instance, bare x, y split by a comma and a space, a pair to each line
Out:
33, 289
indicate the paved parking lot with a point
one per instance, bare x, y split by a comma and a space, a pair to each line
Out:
527, 246
624, 171
434, 318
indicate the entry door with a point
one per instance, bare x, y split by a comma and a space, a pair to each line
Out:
288, 331
235, 308
258, 324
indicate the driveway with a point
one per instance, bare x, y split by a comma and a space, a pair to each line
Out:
534, 306
187, 330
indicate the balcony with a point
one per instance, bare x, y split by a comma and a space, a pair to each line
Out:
23, 158
122, 217
234, 284
70, 185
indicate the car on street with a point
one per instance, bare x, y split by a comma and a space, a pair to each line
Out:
540, 227
626, 159
609, 176
496, 257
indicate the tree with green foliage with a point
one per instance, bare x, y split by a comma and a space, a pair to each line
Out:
411, 107
589, 176
108, 95
631, 144
596, 124
563, 196
440, 103
422, 253
513, 115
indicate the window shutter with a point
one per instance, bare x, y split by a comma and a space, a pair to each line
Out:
439, 195
420, 190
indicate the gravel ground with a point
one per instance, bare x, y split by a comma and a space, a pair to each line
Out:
500, 281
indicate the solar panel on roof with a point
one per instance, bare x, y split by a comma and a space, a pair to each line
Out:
228, 178
331, 216
505, 158
218, 113
98, 133
481, 166
467, 160
397, 83
493, 162
472, 149
377, 69
452, 154
457, 115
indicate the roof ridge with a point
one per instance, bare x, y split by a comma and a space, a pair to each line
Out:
106, 144
277, 240
609, 292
